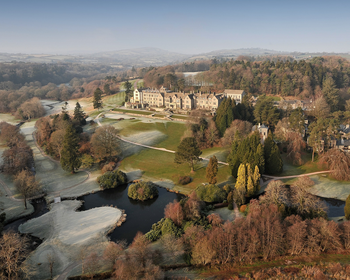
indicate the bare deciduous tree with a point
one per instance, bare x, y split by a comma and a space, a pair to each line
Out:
296, 144
105, 143
13, 250
338, 162
10, 134
174, 211
56, 141
26, 185
275, 193
113, 251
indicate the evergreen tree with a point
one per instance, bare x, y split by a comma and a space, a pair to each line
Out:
260, 158
250, 183
347, 208
330, 92
107, 89
70, 155
79, 114
97, 102
128, 91
274, 163
212, 170
256, 179
268, 144
188, 152
241, 181
248, 150
64, 112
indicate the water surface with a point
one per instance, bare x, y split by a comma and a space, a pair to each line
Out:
140, 215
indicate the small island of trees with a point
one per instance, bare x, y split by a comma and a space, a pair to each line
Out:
142, 191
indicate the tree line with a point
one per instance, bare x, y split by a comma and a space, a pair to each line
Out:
62, 137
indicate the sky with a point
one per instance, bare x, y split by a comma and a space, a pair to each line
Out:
189, 27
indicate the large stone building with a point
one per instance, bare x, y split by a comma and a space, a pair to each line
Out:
237, 95
181, 100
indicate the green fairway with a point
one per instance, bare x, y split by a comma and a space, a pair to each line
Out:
160, 165
307, 167
117, 99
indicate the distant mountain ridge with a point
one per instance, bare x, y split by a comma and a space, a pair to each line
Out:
143, 57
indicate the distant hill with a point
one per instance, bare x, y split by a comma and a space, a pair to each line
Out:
142, 57
231, 53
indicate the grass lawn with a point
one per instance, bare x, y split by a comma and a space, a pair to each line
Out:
133, 111
173, 131
220, 152
160, 165
115, 99
8, 118
307, 167
180, 117
328, 187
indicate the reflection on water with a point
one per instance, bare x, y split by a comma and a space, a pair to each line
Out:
140, 215
335, 206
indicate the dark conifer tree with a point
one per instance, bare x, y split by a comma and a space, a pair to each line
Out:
70, 155
79, 114
97, 102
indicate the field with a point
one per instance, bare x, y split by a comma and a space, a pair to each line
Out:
159, 165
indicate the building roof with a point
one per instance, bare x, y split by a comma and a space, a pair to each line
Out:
233, 91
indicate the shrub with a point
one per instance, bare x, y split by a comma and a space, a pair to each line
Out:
142, 191
112, 179
210, 193
156, 232
347, 208
169, 227
108, 167
86, 161
184, 180
243, 208
230, 200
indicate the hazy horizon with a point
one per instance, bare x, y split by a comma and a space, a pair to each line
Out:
186, 27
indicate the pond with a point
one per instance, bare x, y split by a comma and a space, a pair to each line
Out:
140, 215
335, 207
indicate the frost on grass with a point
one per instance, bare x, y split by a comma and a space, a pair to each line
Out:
67, 234
14, 209
325, 187
149, 138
